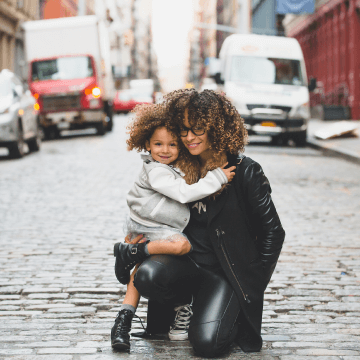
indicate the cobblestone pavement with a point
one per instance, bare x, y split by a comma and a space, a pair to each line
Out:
61, 210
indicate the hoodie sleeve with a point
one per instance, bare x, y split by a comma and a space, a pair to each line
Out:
164, 181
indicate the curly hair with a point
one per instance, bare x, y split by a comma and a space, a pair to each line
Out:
147, 118
212, 110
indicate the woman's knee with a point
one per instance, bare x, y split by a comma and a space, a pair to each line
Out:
150, 278
207, 339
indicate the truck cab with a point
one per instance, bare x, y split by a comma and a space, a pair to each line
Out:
265, 77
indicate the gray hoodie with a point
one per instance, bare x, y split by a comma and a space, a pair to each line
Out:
159, 195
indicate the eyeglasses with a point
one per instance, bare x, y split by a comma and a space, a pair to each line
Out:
197, 131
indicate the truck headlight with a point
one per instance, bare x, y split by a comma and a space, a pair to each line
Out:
302, 111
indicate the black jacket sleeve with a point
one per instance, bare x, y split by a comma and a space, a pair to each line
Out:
262, 216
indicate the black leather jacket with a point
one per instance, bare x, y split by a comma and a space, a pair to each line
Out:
247, 236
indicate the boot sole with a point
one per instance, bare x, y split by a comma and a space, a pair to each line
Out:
178, 337
121, 346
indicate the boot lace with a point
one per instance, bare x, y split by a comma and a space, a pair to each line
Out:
182, 317
124, 327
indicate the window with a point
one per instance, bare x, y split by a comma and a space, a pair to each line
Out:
261, 70
65, 68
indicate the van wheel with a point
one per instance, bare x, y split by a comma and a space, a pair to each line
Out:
300, 139
279, 140
16, 149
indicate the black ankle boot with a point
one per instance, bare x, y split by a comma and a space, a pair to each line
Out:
127, 256
120, 337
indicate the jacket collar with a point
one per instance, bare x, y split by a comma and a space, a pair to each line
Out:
235, 159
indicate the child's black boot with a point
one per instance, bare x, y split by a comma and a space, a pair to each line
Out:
120, 337
127, 256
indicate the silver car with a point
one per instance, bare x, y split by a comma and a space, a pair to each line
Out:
19, 119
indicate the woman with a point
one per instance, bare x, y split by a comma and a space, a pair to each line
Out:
236, 236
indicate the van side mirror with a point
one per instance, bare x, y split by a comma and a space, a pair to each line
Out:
312, 84
218, 79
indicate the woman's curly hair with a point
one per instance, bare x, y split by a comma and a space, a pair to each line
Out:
147, 118
212, 110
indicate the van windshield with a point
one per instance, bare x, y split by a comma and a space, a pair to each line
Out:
261, 70
66, 68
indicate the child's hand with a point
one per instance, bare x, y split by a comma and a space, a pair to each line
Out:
139, 239
228, 172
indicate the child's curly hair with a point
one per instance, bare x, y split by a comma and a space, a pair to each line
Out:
212, 110
147, 118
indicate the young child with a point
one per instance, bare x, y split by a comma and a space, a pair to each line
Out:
158, 211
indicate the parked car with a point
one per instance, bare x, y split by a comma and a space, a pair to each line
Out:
19, 116
125, 100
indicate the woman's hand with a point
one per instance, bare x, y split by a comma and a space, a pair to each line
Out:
228, 172
138, 239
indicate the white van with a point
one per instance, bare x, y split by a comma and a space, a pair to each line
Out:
265, 77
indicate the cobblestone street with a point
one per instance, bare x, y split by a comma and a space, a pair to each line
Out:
62, 210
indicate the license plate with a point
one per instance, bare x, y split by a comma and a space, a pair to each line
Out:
63, 125
94, 103
268, 123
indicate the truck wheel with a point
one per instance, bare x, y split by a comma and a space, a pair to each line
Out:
109, 114
51, 132
300, 139
110, 125
16, 149
100, 128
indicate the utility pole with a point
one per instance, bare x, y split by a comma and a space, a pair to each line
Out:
244, 17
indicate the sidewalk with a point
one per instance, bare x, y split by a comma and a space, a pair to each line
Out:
347, 147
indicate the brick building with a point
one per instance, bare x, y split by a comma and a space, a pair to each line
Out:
12, 14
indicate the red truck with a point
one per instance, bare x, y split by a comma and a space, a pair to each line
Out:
70, 73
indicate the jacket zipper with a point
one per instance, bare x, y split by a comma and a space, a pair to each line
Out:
219, 233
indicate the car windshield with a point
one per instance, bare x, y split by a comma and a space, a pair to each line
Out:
65, 68
5, 87
261, 70
141, 95
124, 95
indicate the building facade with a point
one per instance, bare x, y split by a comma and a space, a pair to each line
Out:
143, 57
202, 40
12, 14
330, 40
53, 9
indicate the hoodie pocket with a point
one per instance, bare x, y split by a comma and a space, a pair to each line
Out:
157, 207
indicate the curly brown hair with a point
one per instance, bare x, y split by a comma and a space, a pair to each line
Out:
214, 111
147, 118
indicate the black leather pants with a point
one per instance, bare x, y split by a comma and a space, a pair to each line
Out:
169, 278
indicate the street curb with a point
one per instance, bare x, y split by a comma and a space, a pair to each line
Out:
347, 155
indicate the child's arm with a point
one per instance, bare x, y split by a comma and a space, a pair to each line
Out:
164, 182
